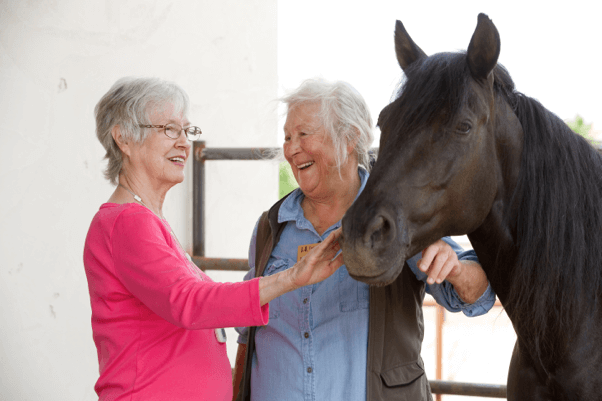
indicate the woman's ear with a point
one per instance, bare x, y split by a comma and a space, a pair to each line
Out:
123, 143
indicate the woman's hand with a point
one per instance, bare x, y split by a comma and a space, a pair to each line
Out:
440, 262
316, 266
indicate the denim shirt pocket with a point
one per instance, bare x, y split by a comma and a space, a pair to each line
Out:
274, 266
353, 294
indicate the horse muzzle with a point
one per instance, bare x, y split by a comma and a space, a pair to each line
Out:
374, 245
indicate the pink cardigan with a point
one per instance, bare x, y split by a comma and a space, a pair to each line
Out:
154, 312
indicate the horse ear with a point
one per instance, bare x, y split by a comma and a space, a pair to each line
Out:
407, 51
484, 48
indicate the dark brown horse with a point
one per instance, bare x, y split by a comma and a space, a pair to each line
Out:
462, 152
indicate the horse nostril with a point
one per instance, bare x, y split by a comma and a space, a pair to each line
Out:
378, 232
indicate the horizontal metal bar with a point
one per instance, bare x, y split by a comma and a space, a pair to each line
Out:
241, 153
204, 263
469, 389
237, 153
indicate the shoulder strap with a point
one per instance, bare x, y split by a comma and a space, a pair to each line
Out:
269, 231
264, 245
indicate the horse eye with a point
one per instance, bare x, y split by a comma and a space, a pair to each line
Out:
464, 128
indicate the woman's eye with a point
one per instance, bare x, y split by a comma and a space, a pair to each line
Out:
464, 128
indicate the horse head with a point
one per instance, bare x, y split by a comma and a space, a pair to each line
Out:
437, 172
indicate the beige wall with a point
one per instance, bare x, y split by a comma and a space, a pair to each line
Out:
56, 60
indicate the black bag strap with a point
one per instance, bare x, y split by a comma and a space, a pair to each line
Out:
263, 250
264, 245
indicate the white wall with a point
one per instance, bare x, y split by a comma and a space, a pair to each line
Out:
56, 60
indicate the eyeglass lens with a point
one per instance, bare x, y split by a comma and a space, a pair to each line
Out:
173, 131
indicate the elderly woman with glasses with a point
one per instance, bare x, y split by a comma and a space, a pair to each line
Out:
157, 320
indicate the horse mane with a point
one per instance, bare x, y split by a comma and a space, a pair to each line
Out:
556, 213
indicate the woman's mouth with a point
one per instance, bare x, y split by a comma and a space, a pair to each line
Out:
305, 165
177, 160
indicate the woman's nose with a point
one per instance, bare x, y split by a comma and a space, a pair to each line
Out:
183, 141
292, 146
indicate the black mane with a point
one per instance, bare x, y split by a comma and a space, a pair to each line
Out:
558, 225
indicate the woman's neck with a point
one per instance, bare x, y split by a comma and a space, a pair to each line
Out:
132, 189
324, 211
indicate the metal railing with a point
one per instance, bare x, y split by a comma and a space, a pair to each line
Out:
202, 154
470, 389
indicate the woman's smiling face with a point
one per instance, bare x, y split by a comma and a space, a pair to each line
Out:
160, 158
309, 150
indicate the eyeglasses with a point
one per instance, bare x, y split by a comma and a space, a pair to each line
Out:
174, 131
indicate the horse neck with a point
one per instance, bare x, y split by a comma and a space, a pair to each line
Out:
494, 241
494, 247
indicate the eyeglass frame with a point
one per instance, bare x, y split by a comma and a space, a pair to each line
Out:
179, 133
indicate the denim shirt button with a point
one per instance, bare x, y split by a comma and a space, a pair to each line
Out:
306, 335
305, 301
309, 370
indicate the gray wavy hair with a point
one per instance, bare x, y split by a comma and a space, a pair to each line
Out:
129, 103
343, 113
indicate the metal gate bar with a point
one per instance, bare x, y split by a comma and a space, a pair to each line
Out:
221, 263
469, 389
201, 153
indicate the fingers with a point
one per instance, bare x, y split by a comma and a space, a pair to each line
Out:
443, 272
337, 262
320, 262
333, 237
328, 248
332, 266
438, 261
428, 255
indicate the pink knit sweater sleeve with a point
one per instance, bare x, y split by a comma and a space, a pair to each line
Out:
149, 263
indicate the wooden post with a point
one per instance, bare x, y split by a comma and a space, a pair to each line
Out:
439, 338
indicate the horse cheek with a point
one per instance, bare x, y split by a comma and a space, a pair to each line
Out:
473, 197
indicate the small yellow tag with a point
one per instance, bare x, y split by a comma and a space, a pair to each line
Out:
304, 249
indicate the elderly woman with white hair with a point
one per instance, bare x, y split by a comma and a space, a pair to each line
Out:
156, 318
323, 341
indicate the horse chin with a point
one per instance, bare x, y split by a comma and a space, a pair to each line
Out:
383, 279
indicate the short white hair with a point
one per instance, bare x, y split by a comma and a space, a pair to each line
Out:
129, 103
343, 113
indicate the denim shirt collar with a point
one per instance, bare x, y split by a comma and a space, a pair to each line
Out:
291, 209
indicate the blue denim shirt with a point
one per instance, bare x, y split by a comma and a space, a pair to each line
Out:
315, 345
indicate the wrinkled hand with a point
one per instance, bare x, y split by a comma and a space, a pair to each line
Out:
439, 261
318, 264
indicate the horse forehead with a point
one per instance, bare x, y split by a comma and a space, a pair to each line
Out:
438, 93
480, 99
444, 58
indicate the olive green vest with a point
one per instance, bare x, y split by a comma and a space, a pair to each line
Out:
395, 369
